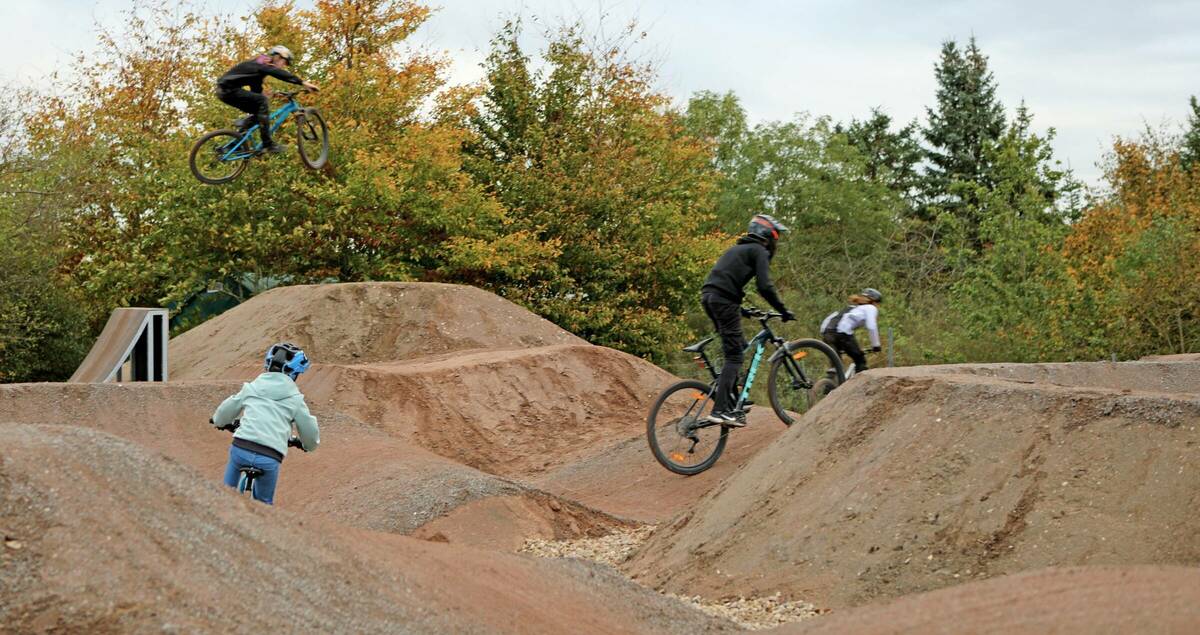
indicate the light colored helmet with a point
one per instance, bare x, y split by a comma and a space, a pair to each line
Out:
281, 51
872, 294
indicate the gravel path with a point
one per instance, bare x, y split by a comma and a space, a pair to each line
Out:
753, 613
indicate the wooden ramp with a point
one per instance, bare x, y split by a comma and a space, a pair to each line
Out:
136, 335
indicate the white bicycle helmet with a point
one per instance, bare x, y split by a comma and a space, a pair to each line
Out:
281, 51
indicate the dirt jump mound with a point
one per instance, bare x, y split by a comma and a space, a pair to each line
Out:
506, 412
358, 323
1084, 600
101, 536
362, 476
908, 480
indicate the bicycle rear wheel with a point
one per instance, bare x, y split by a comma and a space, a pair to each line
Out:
207, 158
312, 138
678, 435
800, 378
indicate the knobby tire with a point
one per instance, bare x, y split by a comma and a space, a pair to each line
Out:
312, 138
209, 143
662, 428
815, 359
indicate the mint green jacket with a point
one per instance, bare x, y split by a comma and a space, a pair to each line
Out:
269, 405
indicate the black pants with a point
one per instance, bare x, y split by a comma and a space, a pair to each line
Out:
727, 318
843, 343
252, 103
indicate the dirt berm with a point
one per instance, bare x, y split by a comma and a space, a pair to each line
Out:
358, 323
101, 536
360, 476
908, 480
1083, 600
472, 378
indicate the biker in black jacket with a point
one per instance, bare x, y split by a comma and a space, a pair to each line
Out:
722, 294
251, 73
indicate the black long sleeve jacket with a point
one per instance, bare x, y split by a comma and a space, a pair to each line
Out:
747, 259
251, 74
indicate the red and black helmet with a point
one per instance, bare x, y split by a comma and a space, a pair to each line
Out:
766, 227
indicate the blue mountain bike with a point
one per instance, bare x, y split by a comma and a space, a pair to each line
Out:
682, 438
221, 155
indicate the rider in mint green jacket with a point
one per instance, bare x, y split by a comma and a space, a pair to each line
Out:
269, 406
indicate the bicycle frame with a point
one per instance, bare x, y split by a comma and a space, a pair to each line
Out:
758, 343
242, 150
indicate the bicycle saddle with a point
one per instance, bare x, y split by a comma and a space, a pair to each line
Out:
251, 472
698, 346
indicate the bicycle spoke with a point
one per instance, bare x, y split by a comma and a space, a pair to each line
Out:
218, 157
802, 378
682, 440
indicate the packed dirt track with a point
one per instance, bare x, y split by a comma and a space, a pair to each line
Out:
456, 427
912, 479
1084, 600
358, 323
116, 539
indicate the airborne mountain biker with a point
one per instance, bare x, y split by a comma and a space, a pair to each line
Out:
231, 89
837, 329
269, 406
722, 294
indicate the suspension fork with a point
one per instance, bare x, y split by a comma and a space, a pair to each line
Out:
799, 380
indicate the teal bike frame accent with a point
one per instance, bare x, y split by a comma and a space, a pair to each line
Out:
758, 352
244, 148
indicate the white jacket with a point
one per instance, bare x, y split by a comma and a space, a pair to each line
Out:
863, 314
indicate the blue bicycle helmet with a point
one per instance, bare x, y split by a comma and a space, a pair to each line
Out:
286, 358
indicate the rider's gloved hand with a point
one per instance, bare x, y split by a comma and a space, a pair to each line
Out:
788, 316
747, 312
876, 349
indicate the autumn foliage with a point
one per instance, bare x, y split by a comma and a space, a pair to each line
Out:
567, 182
593, 224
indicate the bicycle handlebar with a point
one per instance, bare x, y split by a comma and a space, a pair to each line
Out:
751, 312
230, 427
291, 94
293, 442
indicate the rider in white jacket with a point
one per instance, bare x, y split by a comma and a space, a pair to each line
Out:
269, 406
837, 329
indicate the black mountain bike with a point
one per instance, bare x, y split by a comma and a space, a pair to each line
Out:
680, 435
220, 156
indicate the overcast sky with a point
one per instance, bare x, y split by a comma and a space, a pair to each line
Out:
1092, 70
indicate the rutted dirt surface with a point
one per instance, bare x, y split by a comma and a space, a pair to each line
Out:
358, 323
1178, 357
506, 522
907, 480
116, 539
360, 476
506, 412
456, 427
625, 479
1138, 599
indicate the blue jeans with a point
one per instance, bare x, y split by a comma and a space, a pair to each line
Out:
264, 486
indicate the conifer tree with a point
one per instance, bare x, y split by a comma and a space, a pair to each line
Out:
1189, 151
967, 117
891, 156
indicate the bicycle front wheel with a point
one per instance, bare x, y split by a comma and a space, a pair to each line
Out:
800, 378
680, 438
209, 161
312, 138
